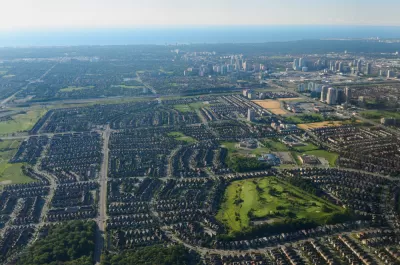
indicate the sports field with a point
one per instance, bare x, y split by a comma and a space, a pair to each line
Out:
272, 105
269, 200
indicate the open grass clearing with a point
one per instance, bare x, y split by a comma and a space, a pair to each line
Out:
11, 173
181, 137
329, 156
74, 88
22, 122
270, 200
190, 107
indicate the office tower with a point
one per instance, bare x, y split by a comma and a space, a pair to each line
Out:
340, 67
389, 74
336, 66
368, 69
340, 96
348, 94
224, 69
245, 92
238, 65
359, 65
302, 62
331, 66
295, 64
232, 60
250, 115
324, 93
245, 66
311, 86
301, 88
331, 97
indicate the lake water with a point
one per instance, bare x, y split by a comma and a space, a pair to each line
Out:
186, 35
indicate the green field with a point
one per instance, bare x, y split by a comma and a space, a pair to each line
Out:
331, 157
308, 147
275, 145
74, 88
308, 118
270, 145
10, 172
269, 200
189, 107
22, 122
129, 87
378, 114
181, 137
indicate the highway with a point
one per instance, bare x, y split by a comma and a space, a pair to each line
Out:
5, 101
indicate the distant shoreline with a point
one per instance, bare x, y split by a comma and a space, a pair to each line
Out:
193, 35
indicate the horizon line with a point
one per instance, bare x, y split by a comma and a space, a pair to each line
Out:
194, 26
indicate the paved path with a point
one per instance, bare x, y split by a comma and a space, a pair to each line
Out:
102, 210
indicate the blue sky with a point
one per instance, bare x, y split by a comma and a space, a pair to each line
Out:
55, 14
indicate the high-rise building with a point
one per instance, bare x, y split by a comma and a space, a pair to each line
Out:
251, 95
295, 64
311, 86
348, 94
368, 69
359, 65
250, 115
245, 92
340, 96
238, 65
331, 97
301, 88
324, 93
336, 66
389, 74
302, 62
341, 67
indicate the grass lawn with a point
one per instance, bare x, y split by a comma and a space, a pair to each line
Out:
181, 137
331, 157
74, 88
130, 87
378, 114
189, 107
270, 200
275, 145
22, 122
11, 172
308, 147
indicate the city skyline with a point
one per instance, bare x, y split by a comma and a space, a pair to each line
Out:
46, 14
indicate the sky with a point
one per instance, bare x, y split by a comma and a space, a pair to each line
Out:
71, 14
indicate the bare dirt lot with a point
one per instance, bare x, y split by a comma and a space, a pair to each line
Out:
272, 105
307, 126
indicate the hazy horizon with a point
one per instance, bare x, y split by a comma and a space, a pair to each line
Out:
48, 14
